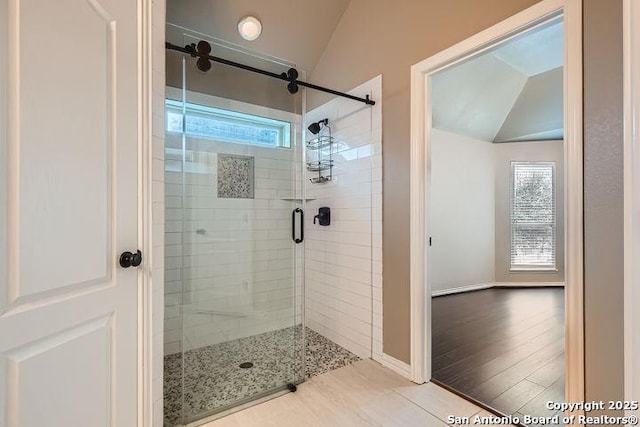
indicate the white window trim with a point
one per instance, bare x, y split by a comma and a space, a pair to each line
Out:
283, 128
295, 120
532, 267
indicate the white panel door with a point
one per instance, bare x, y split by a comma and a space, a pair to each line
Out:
68, 208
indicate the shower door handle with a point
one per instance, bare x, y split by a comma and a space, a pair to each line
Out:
293, 225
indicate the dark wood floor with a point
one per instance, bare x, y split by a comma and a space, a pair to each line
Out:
503, 347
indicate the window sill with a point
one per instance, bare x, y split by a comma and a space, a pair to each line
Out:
533, 269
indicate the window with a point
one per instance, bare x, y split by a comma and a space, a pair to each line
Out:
533, 216
229, 126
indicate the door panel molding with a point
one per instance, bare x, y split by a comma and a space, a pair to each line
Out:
56, 296
38, 218
71, 203
15, 361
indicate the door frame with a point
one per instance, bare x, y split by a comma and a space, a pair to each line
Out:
631, 42
420, 289
144, 77
146, 288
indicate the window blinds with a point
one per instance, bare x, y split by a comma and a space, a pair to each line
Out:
533, 215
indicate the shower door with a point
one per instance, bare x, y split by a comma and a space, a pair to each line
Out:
233, 331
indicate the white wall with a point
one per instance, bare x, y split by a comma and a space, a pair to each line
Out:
462, 211
470, 211
236, 277
344, 260
538, 112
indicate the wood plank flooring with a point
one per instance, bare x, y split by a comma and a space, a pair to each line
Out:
362, 394
502, 347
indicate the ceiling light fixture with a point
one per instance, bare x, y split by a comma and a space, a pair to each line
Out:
249, 28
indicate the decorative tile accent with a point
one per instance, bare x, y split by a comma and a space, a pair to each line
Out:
213, 378
235, 176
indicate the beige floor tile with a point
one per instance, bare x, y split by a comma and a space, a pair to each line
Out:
360, 395
438, 401
393, 410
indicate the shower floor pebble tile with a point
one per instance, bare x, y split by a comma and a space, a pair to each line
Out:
213, 378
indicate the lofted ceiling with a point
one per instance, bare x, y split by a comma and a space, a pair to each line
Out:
296, 31
511, 93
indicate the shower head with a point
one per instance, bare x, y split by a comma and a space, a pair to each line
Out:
314, 128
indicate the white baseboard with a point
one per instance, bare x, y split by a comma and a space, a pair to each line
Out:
528, 284
460, 289
480, 286
397, 366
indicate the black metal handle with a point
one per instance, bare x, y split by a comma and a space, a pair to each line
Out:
324, 216
128, 259
293, 225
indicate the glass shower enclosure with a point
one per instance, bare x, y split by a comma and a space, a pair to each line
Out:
233, 237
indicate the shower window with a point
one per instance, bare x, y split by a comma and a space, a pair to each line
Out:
224, 125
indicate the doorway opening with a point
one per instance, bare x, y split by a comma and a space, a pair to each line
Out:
496, 249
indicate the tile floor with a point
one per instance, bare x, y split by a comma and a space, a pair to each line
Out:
361, 394
213, 378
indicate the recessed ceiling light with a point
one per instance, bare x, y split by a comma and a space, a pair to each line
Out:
250, 28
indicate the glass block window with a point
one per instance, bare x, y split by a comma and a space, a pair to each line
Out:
533, 216
224, 125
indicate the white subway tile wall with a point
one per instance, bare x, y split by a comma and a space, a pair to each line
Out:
244, 245
229, 262
343, 263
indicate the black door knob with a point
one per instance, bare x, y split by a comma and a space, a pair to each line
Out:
128, 259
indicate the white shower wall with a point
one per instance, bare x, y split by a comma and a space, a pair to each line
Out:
253, 290
229, 262
343, 261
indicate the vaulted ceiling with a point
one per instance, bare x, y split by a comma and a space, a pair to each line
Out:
512, 93
296, 31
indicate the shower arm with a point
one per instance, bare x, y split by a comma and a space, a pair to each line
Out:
202, 51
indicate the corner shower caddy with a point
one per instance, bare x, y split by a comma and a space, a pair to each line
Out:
322, 147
